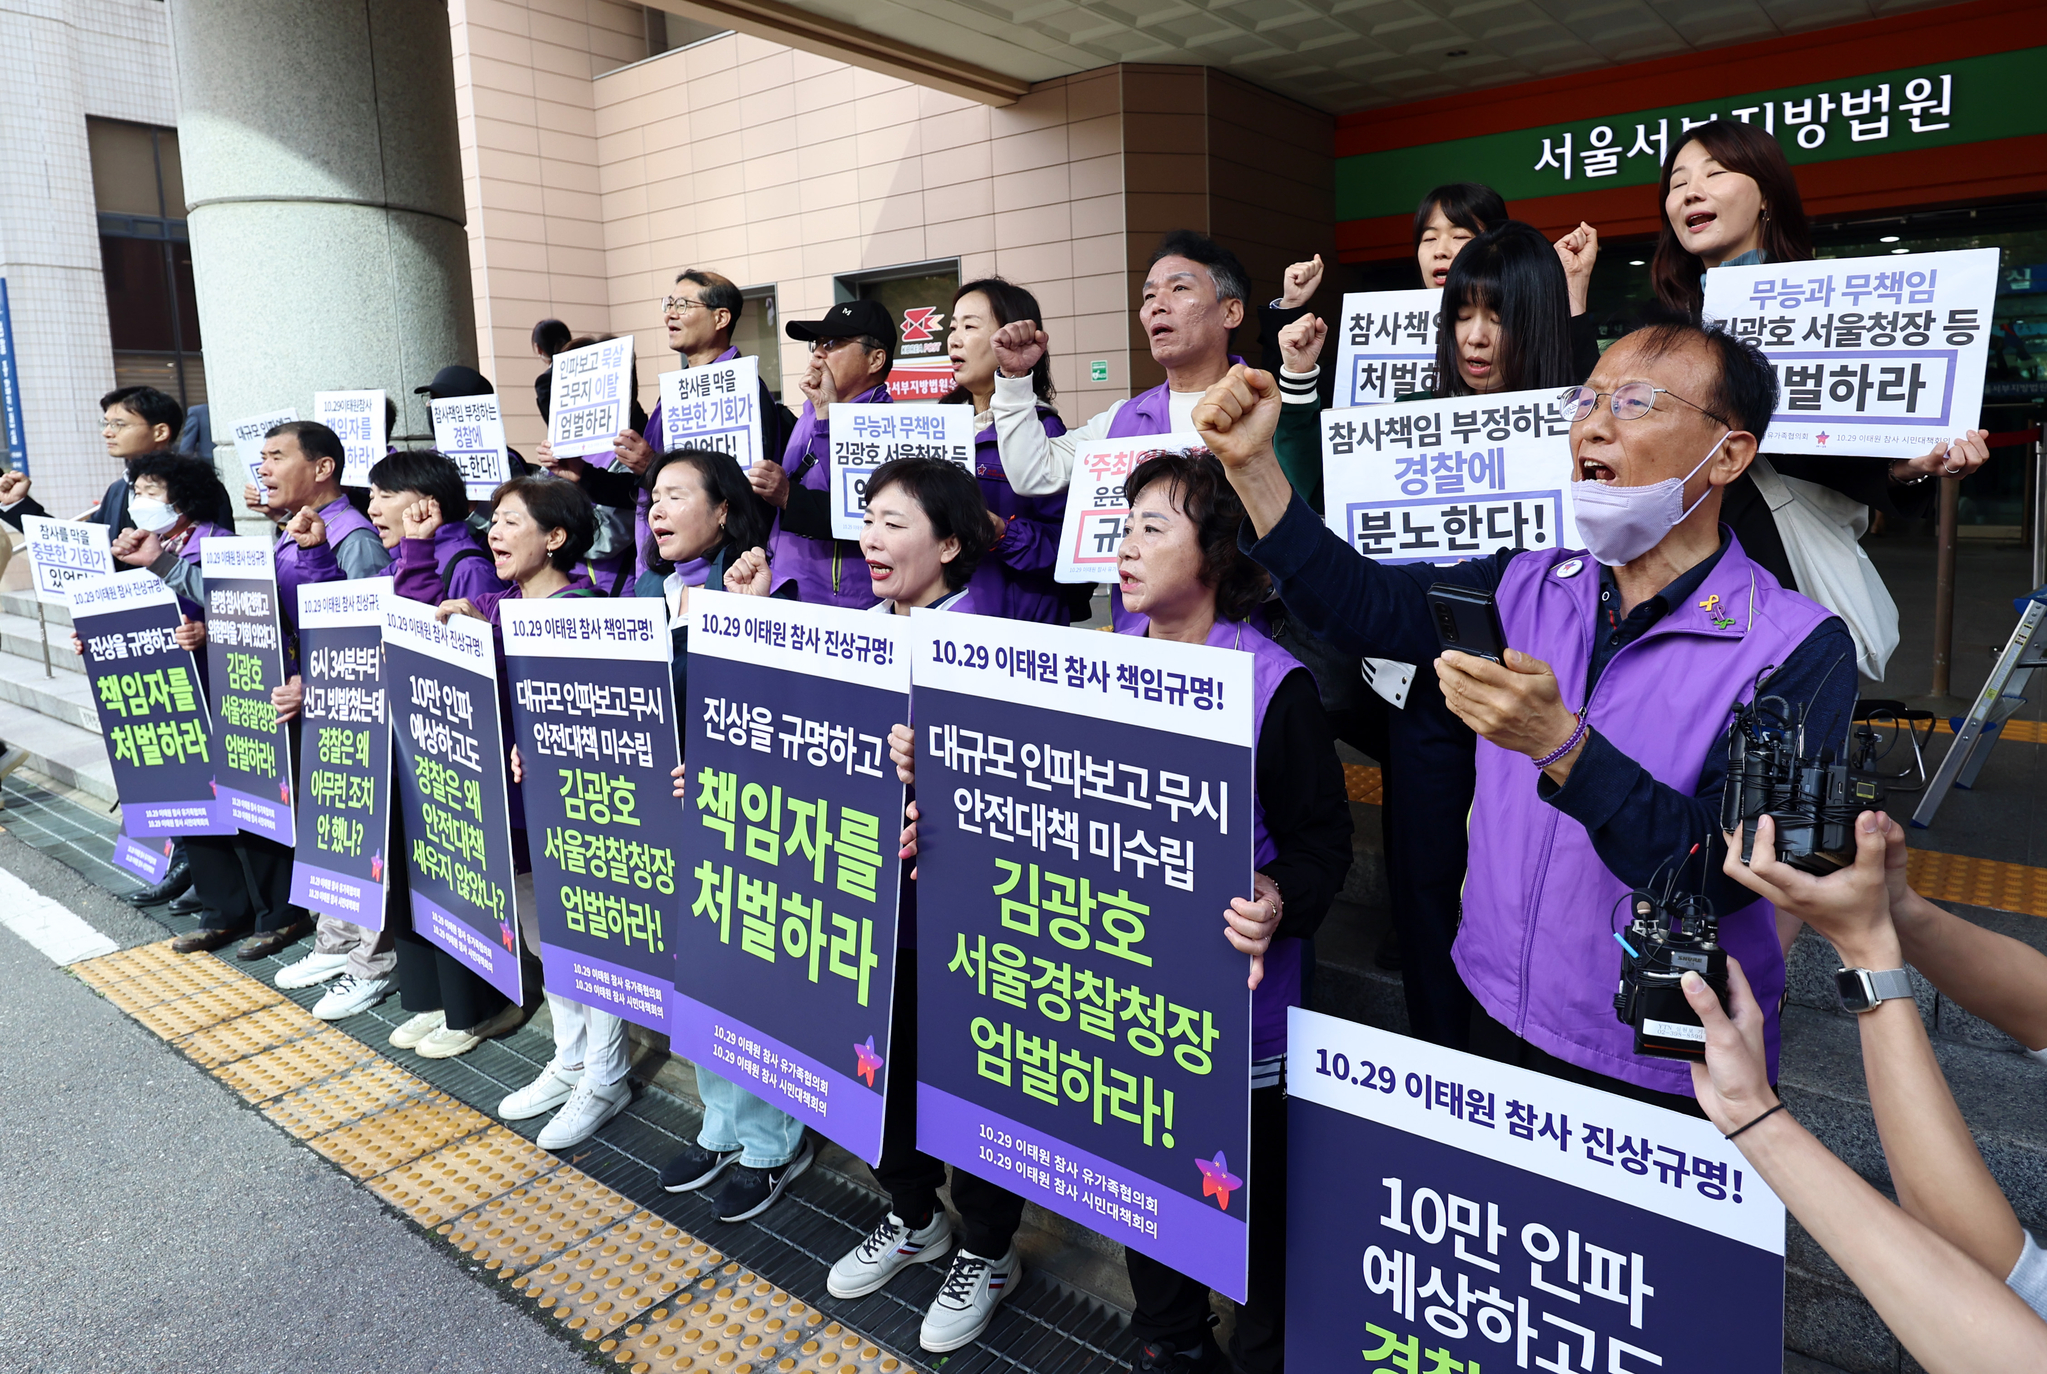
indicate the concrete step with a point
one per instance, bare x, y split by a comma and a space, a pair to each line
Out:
22, 635
61, 696
22, 602
73, 756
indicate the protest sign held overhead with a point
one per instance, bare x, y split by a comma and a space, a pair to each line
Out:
866, 436
1084, 1028
714, 406
1096, 512
244, 665
248, 435
590, 398
1386, 345
785, 965
61, 552
1505, 1215
358, 418
344, 813
594, 717
471, 431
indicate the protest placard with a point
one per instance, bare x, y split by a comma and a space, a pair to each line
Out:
344, 812
248, 435
714, 406
148, 860
244, 664
1084, 1031
590, 398
441, 686
785, 961
1875, 357
866, 436
61, 552
152, 708
1386, 345
594, 715
1502, 1214
1096, 512
471, 431
358, 418
1442, 481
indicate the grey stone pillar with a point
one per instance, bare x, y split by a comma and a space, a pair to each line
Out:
324, 188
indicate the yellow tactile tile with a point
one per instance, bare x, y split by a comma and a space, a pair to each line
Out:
2024, 731
399, 1135
364, 1090
448, 1182
599, 1284
246, 1035
125, 964
292, 1066
1363, 783
208, 1007
153, 985
1978, 882
737, 1321
511, 1234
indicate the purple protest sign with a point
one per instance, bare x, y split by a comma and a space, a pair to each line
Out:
1085, 817
785, 958
147, 861
244, 664
344, 813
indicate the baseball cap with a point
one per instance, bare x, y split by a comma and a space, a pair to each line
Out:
846, 320
456, 380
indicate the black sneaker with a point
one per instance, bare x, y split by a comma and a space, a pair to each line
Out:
749, 1192
694, 1166
1164, 1359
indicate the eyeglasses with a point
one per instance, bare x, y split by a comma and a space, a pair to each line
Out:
822, 346
116, 426
1631, 401
679, 305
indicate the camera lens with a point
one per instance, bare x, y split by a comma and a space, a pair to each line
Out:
1448, 622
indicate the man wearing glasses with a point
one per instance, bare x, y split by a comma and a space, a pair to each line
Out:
1602, 740
134, 420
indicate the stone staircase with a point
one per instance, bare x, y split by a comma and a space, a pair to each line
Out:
49, 712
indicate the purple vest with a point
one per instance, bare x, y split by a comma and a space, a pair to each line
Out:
1148, 412
1000, 588
1280, 988
828, 572
1536, 946
656, 436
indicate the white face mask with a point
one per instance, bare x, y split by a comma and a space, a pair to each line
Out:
1620, 524
154, 516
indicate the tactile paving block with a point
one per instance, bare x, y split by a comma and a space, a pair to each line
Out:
597, 1285
2030, 731
293, 1065
368, 1088
183, 1015
124, 964
251, 1034
447, 1183
194, 973
398, 1135
511, 1234
713, 1335
1364, 783
1978, 882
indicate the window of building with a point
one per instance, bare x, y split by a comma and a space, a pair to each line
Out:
152, 314
919, 296
759, 333
666, 32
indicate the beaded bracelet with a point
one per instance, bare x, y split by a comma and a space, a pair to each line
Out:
1577, 738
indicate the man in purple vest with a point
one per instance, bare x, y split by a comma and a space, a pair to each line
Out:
851, 351
1194, 298
1603, 739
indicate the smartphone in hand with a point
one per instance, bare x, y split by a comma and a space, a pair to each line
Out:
1468, 620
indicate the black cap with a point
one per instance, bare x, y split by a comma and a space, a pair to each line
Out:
456, 380
847, 320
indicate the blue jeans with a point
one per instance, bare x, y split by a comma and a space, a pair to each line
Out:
734, 1119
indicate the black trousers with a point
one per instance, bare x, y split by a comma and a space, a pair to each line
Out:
431, 979
1491, 1040
989, 1213
243, 881
1172, 1309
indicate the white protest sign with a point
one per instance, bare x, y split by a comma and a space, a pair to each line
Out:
62, 552
358, 417
1095, 509
866, 436
1875, 357
1442, 481
590, 398
471, 431
248, 435
715, 406
1386, 345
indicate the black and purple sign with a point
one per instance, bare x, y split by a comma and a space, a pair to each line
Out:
245, 663
344, 814
786, 949
152, 708
1084, 1027
593, 712
442, 694
148, 860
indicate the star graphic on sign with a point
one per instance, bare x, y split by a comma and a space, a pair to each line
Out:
284, 792
214, 783
505, 934
1820, 438
1216, 1179
870, 1062
377, 867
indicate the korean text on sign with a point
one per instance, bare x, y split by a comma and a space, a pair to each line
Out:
590, 398
1096, 513
358, 417
62, 552
344, 810
714, 406
1386, 345
866, 436
470, 430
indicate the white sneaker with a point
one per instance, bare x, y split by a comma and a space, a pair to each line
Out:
445, 1042
588, 1107
966, 1300
543, 1094
353, 996
411, 1032
891, 1245
314, 968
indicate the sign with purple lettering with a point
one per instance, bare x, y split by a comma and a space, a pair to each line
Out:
866, 436
785, 958
344, 819
152, 707
1451, 1213
590, 397
1875, 357
714, 406
1386, 345
357, 418
244, 664
1443, 481
456, 812
1084, 1038
1096, 513
148, 860
594, 715
470, 431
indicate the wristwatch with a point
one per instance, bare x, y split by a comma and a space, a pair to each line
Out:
1861, 989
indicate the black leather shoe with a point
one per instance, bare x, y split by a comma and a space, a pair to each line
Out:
204, 939
177, 881
263, 944
187, 902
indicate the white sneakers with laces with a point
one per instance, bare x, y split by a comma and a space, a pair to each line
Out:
966, 1302
353, 996
314, 968
888, 1248
543, 1094
590, 1105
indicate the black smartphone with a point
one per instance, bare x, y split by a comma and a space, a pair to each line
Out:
1468, 620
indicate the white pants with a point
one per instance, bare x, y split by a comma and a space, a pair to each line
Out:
583, 1036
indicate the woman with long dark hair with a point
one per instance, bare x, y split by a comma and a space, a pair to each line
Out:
1506, 316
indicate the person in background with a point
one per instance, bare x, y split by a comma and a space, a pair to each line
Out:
550, 337
1015, 580
613, 490
134, 420
195, 437
852, 350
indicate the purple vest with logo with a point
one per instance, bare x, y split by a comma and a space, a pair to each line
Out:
1280, 988
1536, 944
827, 572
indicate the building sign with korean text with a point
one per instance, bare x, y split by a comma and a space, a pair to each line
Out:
344, 813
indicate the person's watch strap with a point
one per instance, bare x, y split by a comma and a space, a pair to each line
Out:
1872, 987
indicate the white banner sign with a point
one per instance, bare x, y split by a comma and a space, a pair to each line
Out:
358, 417
866, 436
471, 430
1875, 357
62, 552
715, 406
1095, 509
1386, 345
248, 435
590, 397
